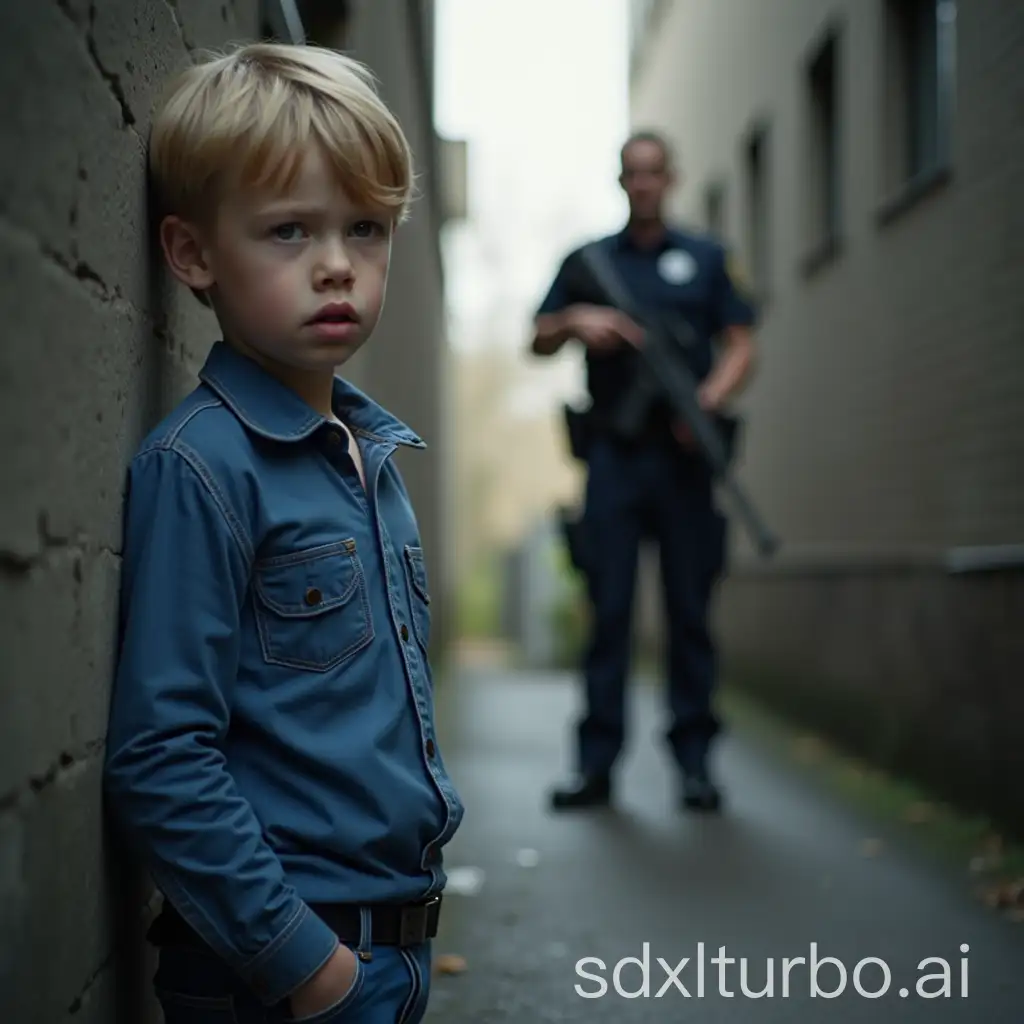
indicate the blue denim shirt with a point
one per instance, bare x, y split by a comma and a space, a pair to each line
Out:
271, 740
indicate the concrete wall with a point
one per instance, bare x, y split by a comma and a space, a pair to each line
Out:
96, 347
886, 427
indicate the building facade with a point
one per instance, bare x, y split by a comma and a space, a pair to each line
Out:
97, 346
865, 159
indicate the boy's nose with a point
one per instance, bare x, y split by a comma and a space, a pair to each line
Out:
333, 265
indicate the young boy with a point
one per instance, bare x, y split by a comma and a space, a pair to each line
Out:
271, 748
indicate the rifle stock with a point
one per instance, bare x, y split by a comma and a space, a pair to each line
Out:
680, 387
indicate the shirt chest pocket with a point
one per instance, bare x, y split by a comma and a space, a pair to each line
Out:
688, 297
312, 607
419, 593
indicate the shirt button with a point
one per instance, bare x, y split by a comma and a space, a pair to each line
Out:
334, 437
431, 749
313, 597
404, 631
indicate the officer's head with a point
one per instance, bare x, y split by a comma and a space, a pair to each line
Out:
647, 174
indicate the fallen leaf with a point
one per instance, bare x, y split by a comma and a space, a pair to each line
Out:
871, 847
979, 864
991, 898
1011, 894
1005, 895
808, 748
919, 813
992, 846
450, 963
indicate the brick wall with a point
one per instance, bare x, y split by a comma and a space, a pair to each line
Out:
886, 427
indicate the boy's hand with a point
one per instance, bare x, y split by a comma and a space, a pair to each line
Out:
328, 986
602, 328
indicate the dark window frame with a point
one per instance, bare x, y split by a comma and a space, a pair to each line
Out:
716, 208
756, 149
919, 97
823, 84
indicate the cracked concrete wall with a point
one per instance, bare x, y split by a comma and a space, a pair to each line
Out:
96, 346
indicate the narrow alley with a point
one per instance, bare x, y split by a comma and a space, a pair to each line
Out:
786, 866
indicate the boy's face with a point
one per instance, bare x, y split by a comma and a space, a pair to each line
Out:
297, 279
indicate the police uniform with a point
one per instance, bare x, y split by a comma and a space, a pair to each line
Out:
650, 486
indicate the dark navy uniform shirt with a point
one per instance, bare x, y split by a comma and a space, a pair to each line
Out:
686, 273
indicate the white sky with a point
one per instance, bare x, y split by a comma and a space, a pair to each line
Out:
539, 90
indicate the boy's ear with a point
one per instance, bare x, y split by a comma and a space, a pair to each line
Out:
183, 247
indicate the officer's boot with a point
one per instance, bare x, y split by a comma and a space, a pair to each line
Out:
700, 793
582, 792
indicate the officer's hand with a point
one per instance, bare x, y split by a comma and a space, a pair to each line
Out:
601, 328
684, 435
709, 398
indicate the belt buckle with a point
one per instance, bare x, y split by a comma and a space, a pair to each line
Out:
415, 921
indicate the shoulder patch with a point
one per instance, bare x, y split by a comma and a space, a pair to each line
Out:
737, 273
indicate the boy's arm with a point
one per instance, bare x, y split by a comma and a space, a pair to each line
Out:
185, 577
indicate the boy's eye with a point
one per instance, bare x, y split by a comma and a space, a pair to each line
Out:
367, 228
287, 232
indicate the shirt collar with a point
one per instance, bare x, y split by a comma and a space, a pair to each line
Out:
670, 240
269, 408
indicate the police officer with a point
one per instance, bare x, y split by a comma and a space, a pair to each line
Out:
655, 484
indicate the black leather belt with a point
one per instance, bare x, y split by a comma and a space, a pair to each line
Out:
391, 924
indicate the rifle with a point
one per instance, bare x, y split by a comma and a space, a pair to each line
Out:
669, 374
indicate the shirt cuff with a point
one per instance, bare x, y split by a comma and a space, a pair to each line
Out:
292, 958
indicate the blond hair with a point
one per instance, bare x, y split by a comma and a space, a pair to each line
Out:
247, 117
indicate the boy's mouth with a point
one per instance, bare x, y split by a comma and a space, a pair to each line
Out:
336, 313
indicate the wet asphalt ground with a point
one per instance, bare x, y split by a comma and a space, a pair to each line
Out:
782, 873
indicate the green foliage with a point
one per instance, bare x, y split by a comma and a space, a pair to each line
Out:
479, 600
569, 612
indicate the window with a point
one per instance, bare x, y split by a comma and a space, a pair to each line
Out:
714, 210
920, 50
824, 194
758, 227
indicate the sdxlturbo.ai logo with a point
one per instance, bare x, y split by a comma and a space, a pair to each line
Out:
826, 977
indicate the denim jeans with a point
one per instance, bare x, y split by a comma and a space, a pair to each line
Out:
195, 987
